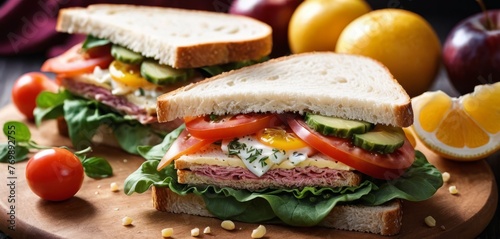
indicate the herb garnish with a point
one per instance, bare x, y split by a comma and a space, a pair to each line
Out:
213, 117
235, 148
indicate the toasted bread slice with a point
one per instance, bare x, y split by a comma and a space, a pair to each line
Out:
346, 86
384, 219
176, 37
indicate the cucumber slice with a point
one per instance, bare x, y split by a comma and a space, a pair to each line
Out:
213, 70
337, 127
218, 69
159, 74
92, 41
125, 55
382, 139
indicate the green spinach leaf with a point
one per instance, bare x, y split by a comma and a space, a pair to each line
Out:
158, 151
97, 167
418, 183
299, 207
17, 131
50, 105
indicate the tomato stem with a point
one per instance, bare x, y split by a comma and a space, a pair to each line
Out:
32, 144
84, 151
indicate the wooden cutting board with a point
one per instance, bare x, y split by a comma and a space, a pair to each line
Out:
96, 212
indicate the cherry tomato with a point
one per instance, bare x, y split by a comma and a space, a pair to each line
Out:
26, 89
229, 126
76, 62
184, 144
54, 174
129, 75
382, 166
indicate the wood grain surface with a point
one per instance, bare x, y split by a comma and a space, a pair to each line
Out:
96, 212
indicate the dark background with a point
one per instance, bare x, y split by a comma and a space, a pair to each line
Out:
442, 14
44, 41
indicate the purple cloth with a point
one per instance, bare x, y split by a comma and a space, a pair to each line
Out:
28, 26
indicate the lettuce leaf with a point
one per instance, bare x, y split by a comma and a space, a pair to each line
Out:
298, 207
50, 105
418, 183
158, 151
84, 117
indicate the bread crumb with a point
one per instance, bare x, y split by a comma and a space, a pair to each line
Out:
228, 225
446, 176
259, 232
127, 221
195, 232
167, 232
453, 189
430, 221
114, 187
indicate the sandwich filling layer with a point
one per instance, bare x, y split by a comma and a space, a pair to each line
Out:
212, 166
137, 102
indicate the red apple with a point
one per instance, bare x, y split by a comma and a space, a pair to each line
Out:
471, 52
276, 13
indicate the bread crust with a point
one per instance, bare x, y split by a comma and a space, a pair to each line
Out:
162, 45
384, 219
221, 53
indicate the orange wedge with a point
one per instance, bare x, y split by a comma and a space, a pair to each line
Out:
409, 135
464, 128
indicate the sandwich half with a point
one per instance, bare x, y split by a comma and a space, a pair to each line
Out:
133, 54
311, 139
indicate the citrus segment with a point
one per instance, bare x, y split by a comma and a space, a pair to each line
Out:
409, 135
464, 128
459, 130
433, 113
484, 107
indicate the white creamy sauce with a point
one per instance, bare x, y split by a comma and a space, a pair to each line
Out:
259, 158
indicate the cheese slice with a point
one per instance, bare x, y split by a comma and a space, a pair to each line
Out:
213, 155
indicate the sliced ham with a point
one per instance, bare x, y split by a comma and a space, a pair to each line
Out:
116, 102
241, 178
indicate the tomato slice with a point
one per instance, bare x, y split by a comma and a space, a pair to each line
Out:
75, 62
184, 144
127, 74
229, 126
381, 166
